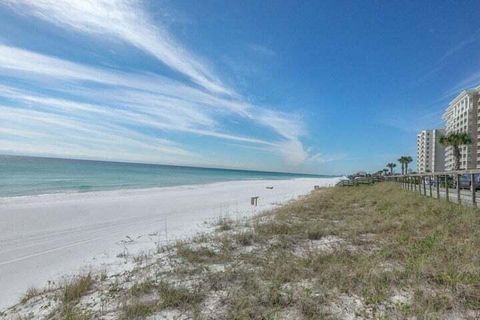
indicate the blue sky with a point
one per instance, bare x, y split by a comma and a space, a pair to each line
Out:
305, 86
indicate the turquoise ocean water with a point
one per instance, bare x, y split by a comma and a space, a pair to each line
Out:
21, 176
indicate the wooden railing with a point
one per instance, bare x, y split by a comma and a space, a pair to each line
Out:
356, 182
455, 186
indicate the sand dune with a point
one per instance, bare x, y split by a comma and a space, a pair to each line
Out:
45, 237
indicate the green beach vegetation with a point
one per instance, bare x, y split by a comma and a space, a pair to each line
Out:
456, 140
404, 162
391, 166
366, 252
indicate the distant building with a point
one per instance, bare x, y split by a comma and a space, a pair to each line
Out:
461, 116
430, 153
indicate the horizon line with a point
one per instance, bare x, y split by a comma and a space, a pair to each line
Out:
164, 164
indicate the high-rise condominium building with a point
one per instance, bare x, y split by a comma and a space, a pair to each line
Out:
430, 153
461, 116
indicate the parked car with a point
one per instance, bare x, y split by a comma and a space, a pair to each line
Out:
465, 181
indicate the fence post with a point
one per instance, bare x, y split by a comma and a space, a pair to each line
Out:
473, 186
437, 185
424, 187
419, 184
446, 187
430, 185
458, 189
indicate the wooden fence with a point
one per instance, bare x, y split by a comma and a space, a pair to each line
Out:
455, 186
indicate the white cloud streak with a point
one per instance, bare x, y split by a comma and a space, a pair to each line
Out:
127, 21
125, 101
138, 99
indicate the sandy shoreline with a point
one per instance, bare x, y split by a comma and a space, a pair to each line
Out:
45, 237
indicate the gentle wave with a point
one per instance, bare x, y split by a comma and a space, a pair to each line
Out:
20, 176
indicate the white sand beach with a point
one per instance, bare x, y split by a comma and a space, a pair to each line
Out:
45, 237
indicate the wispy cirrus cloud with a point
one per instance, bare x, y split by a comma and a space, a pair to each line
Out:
262, 50
452, 51
125, 20
323, 158
131, 105
147, 99
471, 38
57, 134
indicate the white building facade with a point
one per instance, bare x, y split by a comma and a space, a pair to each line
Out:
462, 116
430, 153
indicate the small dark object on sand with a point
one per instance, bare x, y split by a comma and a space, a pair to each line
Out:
269, 188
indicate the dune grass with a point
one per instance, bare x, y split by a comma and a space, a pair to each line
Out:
75, 288
167, 296
401, 254
368, 252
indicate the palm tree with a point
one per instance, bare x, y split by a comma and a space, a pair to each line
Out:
402, 162
455, 140
391, 165
408, 159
